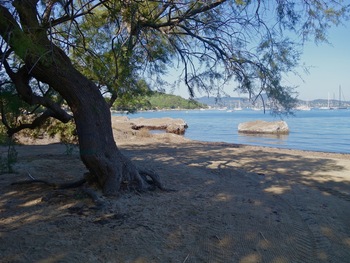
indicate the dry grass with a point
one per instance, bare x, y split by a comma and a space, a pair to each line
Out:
143, 133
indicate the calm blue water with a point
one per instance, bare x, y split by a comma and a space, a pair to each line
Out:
315, 130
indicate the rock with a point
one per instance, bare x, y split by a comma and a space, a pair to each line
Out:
120, 118
177, 129
177, 126
259, 127
121, 123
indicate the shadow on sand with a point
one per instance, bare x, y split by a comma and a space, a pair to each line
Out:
233, 204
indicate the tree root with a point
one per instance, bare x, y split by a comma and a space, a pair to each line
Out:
74, 184
155, 180
133, 179
89, 192
100, 204
140, 179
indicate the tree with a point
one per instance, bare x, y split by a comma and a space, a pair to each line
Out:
216, 40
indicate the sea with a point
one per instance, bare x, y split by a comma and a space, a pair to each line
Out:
313, 130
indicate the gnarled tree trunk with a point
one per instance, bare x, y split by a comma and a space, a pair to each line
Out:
49, 64
92, 116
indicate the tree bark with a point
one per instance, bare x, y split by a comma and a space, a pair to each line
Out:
92, 116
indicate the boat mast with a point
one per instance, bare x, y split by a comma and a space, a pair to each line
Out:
328, 104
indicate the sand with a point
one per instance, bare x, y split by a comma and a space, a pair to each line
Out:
233, 203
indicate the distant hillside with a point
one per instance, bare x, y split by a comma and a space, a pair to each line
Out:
317, 103
160, 100
156, 101
229, 102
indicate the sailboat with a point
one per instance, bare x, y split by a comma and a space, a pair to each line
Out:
239, 106
328, 105
340, 106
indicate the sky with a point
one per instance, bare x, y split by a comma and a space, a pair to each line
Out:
329, 68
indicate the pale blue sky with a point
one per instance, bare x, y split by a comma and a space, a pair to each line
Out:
329, 67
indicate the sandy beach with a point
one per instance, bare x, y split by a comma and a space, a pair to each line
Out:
233, 203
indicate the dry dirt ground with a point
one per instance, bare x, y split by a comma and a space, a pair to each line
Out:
233, 203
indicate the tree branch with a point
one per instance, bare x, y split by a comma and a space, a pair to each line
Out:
190, 12
70, 17
21, 80
37, 122
8, 25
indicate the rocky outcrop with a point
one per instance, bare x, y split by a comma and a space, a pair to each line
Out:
170, 125
264, 127
177, 126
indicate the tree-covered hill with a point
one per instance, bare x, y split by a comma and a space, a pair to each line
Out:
156, 101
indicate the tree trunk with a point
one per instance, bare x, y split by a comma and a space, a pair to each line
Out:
92, 116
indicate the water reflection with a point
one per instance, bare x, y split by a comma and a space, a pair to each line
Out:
260, 138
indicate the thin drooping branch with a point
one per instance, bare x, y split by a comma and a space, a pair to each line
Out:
187, 14
70, 17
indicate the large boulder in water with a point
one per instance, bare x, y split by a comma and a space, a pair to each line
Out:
177, 126
263, 127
